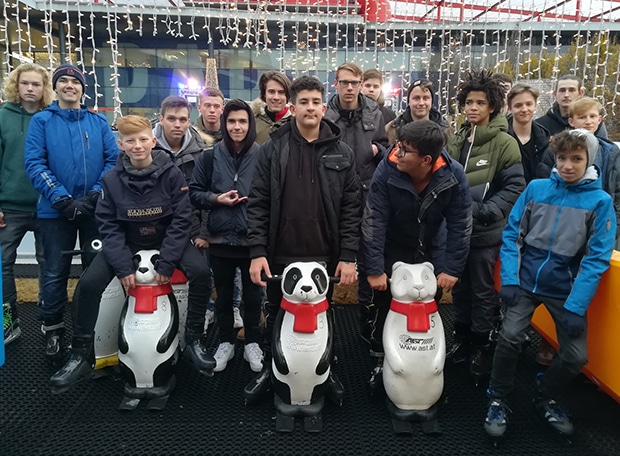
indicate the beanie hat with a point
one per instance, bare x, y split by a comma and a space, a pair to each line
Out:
67, 69
591, 143
425, 84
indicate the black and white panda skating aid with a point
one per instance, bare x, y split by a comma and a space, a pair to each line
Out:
302, 344
148, 336
415, 346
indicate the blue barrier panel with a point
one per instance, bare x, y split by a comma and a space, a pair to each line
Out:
1, 301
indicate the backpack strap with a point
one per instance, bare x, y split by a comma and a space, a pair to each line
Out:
207, 157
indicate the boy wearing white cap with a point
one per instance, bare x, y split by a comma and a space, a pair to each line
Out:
557, 244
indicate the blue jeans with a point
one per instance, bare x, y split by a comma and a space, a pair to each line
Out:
17, 225
59, 235
572, 356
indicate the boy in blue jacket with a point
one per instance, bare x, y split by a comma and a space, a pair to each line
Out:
557, 244
144, 205
68, 150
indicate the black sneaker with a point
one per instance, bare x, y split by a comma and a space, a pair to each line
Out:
11, 325
496, 421
458, 353
554, 414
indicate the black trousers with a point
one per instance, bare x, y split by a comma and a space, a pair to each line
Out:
224, 278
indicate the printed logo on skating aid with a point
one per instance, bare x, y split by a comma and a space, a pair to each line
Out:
406, 342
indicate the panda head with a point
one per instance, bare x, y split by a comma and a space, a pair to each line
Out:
413, 282
145, 262
305, 282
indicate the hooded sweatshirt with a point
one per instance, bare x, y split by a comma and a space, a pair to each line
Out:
303, 218
231, 170
16, 190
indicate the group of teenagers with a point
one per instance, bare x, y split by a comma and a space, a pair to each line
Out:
347, 183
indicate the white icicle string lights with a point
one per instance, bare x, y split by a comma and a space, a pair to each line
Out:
7, 38
113, 32
93, 59
440, 50
49, 40
68, 36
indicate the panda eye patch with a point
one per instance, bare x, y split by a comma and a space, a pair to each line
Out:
320, 279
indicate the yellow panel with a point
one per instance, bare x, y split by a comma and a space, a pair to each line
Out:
603, 366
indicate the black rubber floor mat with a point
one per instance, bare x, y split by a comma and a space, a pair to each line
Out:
207, 416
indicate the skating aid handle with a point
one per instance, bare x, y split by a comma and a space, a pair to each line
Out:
278, 278
94, 246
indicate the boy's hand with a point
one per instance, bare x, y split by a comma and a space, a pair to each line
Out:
257, 266
347, 272
446, 281
378, 283
161, 279
2, 222
230, 198
201, 243
574, 325
508, 294
129, 281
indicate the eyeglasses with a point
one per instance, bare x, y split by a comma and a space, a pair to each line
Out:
354, 84
402, 151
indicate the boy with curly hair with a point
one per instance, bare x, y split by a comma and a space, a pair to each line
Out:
492, 163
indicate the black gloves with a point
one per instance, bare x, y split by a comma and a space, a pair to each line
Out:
573, 325
508, 294
89, 202
76, 209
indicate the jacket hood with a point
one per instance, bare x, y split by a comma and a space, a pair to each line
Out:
161, 161
250, 137
539, 133
589, 181
68, 114
258, 106
192, 142
554, 111
483, 134
17, 109
330, 132
366, 110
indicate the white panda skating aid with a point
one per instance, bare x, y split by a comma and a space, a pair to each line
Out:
148, 338
415, 348
302, 347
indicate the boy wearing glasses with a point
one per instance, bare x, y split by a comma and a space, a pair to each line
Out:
363, 130
413, 191
360, 119
557, 244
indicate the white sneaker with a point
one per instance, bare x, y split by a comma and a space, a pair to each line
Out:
238, 322
209, 318
253, 355
225, 352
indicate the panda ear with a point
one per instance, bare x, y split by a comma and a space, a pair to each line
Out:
429, 265
397, 265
